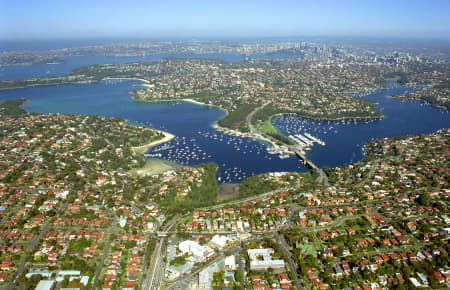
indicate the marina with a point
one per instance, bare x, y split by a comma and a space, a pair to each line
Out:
199, 140
306, 141
196, 141
187, 151
344, 139
224, 145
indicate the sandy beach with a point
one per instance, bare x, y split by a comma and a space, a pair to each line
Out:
202, 104
143, 148
154, 166
134, 79
195, 102
145, 82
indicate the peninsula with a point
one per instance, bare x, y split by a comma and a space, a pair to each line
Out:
72, 206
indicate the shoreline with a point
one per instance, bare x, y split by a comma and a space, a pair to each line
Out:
419, 100
329, 119
215, 125
144, 148
189, 100
146, 83
133, 79
195, 102
233, 132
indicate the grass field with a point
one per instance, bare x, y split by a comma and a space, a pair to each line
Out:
267, 127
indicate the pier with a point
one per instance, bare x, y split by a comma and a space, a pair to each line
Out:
296, 149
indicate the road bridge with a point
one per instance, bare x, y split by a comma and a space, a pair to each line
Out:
296, 149
309, 164
301, 155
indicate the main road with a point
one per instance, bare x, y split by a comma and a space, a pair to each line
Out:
291, 263
155, 271
183, 281
110, 234
251, 198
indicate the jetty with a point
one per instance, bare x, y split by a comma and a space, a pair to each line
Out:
297, 149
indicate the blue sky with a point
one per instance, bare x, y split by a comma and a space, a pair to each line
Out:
75, 19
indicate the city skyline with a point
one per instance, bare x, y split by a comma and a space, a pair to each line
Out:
224, 145
21, 20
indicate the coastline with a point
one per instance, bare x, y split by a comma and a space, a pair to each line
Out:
41, 84
419, 100
259, 137
145, 82
154, 165
143, 148
189, 100
329, 119
197, 102
215, 125
230, 131
246, 135
134, 79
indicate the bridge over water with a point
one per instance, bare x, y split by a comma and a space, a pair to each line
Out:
308, 163
298, 151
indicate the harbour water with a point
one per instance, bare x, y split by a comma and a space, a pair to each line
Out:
69, 63
198, 142
345, 139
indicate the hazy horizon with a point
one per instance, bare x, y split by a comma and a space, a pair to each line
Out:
75, 20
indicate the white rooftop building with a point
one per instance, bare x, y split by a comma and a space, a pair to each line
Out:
193, 248
42, 273
122, 221
46, 285
261, 260
220, 241
415, 282
205, 277
230, 262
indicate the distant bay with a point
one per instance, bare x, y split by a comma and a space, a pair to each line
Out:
11, 72
197, 142
345, 139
